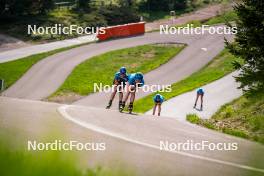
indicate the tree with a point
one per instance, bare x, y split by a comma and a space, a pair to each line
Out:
84, 5
17, 8
45, 5
249, 44
165, 5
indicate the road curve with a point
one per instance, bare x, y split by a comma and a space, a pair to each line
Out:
148, 132
217, 93
25, 51
27, 120
46, 76
190, 60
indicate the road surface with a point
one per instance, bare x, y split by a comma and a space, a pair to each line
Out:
131, 140
217, 94
19, 53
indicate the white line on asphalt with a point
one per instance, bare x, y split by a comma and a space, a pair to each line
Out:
63, 111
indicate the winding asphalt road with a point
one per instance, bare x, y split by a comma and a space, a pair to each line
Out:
132, 141
190, 60
25, 51
46, 76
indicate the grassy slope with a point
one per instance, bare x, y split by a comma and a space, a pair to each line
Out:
151, 16
216, 69
100, 69
243, 117
11, 71
18, 27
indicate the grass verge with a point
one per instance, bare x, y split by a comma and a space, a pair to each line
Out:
228, 16
51, 163
243, 117
101, 69
11, 71
217, 68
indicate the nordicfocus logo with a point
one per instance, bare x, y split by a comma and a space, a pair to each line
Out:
121, 88
198, 146
189, 29
60, 29
66, 146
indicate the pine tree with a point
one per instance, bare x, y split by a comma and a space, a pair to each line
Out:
249, 44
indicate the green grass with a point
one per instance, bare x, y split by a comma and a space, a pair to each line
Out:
11, 71
223, 18
52, 163
243, 117
226, 17
193, 118
216, 69
101, 69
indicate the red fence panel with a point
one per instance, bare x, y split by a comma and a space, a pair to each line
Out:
122, 31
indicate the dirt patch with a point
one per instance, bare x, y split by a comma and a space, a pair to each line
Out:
169, 44
65, 98
149, 54
9, 43
152, 53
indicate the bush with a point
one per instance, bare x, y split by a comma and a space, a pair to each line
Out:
115, 15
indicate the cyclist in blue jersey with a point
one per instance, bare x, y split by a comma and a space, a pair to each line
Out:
158, 100
135, 80
199, 93
119, 82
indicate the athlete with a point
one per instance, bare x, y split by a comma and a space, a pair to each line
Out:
158, 100
119, 82
199, 93
135, 80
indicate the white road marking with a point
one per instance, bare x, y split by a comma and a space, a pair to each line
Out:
204, 49
63, 111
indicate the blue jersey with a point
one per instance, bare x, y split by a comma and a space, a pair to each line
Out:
121, 79
132, 80
158, 98
200, 91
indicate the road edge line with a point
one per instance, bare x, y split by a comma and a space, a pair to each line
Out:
63, 111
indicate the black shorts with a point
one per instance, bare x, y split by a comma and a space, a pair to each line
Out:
122, 83
158, 102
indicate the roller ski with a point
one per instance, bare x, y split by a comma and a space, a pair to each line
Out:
109, 104
121, 106
130, 108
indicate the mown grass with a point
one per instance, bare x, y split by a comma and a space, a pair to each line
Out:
243, 117
11, 71
101, 69
52, 163
216, 69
